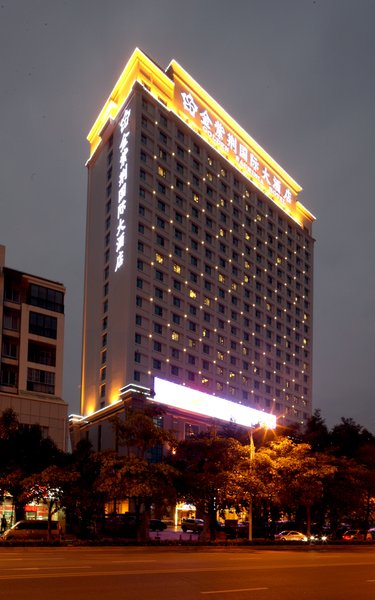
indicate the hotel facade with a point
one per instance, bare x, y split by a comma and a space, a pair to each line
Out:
199, 264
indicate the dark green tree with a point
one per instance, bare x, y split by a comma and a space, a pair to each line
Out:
23, 452
210, 469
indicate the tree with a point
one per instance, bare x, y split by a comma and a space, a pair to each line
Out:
142, 475
50, 488
84, 502
209, 469
23, 451
138, 432
316, 432
142, 482
297, 475
347, 438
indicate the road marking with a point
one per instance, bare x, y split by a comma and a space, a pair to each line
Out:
24, 569
235, 591
134, 561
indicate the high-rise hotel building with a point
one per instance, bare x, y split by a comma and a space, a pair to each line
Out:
199, 260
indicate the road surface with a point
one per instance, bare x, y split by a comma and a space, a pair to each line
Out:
187, 573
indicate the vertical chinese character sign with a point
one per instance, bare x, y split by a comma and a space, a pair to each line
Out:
122, 189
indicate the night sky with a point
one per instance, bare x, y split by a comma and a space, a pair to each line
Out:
298, 75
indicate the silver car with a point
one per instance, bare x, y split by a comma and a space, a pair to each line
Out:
291, 536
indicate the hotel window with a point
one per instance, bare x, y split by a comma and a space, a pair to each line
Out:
176, 301
10, 350
175, 353
162, 154
158, 310
157, 346
158, 328
160, 222
43, 325
46, 298
163, 120
40, 381
156, 364
159, 275
174, 370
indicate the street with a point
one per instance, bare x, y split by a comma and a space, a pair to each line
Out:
187, 573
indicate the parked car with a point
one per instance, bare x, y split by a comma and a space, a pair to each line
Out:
157, 525
354, 535
370, 535
318, 538
32, 530
193, 525
291, 536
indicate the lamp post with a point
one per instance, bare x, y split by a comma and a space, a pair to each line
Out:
250, 515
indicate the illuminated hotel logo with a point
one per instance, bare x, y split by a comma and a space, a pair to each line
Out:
122, 193
229, 144
200, 403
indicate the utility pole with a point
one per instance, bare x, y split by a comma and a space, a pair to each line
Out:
250, 517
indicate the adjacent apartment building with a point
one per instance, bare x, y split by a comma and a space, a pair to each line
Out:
31, 342
199, 264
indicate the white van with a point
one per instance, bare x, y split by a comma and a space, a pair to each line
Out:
32, 529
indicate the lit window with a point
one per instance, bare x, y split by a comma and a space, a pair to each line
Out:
192, 294
175, 336
176, 268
